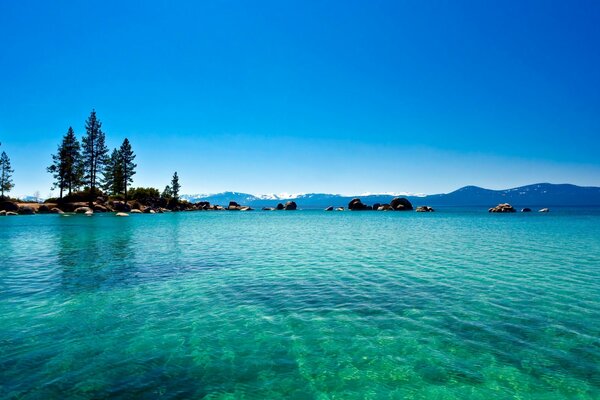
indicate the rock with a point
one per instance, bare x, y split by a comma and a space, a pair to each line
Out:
233, 206
11, 213
356, 205
100, 200
526, 209
136, 206
544, 210
246, 208
26, 210
122, 214
425, 209
401, 204
2, 213
56, 210
376, 206
385, 207
9, 206
339, 209
290, 205
279, 206
135, 211
89, 213
43, 209
330, 208
120, 206
82, 210
502, 208
100, 208
268, 208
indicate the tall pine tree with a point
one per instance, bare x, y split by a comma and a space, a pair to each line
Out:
6, 171
94, 153
113, 174
128, 166
67, 167
175, 186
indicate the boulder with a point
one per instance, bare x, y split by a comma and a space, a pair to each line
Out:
2, 213
82, 210
56, 210
502, 208
290, 205
11, 213
330, 208
526, 209
401, 204
339, 209
120, 206
43, 209
9, 206
100, 208
544, 210
26, 210
122, 214
425, 209
279, 206
135, 211
385, 207
356, 205
246, 208
376, 206
268, 208
89, 213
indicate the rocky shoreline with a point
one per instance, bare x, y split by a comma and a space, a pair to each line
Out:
122, 208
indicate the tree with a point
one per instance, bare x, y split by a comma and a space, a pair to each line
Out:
94, 152
67, 167
6, 171
167, 193
113, 174
127, 164
175, 186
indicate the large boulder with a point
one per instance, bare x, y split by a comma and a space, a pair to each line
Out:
82, 210
401, 204
233, 206
290, 205
100, 208
279, 206
26, 210
121, 206
357, 205
56, 210
43, 209
2, 213
9, 206
502, 208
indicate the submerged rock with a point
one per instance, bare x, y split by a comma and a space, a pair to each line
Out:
268, 208
401, 204
502, 208
544, 210
425, 209
526, 209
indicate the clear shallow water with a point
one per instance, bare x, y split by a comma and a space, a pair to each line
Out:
301, 305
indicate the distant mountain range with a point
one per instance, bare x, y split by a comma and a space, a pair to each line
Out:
540, 194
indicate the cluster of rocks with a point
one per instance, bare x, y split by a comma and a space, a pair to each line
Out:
290, 206
397, 204
507, 208
424, 209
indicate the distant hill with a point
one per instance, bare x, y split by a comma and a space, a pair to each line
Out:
540, 194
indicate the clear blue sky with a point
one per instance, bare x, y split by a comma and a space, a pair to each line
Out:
307, 96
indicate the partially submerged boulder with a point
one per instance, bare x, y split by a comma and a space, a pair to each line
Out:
26, 210
279, 206
425, 209
9, 206
384, 207
43, 209
330, 208
135, 211
56, 210
526, 209
356, 205
122, 214
544, 210
290, 205
82, 210
401, 204
502, 208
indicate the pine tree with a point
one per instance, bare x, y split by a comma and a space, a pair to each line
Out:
94, 152
113, 174
175, 186
127, 164
66, 165
167, 193
6, 171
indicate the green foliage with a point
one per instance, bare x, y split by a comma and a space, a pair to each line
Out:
127, 164
144, 195
67, 164
82, 195
6, 171
167, 192
175, 186
94, 151
113, 174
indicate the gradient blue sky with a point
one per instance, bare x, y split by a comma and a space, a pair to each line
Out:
307, 96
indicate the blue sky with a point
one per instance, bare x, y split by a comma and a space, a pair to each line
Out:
307, 96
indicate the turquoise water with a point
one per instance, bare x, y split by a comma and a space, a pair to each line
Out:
301, 305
